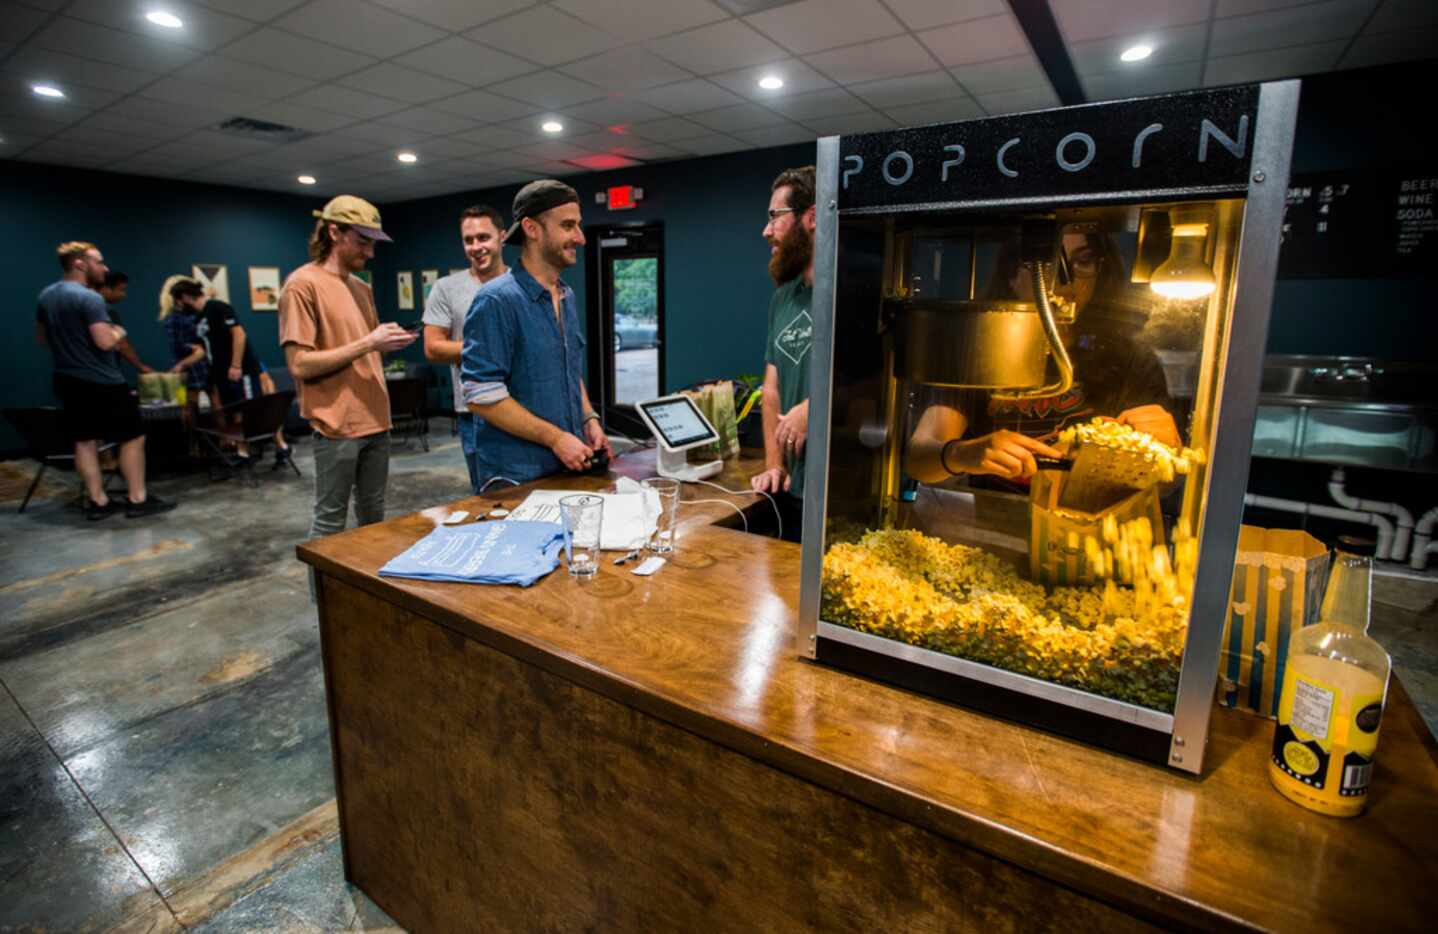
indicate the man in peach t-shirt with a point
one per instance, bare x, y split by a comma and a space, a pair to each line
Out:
333, 343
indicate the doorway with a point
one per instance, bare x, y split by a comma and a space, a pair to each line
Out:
625, 266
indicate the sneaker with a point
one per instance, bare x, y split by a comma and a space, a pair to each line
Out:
282, 458
95, 512
152, 505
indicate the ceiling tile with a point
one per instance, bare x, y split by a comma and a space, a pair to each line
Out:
154, 163
1403, 14
548, 89
116, 146
88, 40
1306, 25
556, 150
872, 61
303, 118
285, 51
1162, 79
24, 124
631, 69
979, 40
401, 83
348, 101
204, 29
602, 140
814, 25
1012, 102
12, 144
786, 135
19, 22
242, 77
1245, 7
1170, 47
1407, 45
668, 130
67, 154
798, 77
922, 14
959, 108
545, 35
455, 15
78, 100
1273, 64
721, 46
870, 122
649, 152
223, 103
711, 145
688, 96
258, 10
495, 138
532, 128
830, 102
213, 141
614, 110
460, 59
1099, 19
507, 159
107, 121
36, 64
442, 147
328, 147
738, 117
183, 116
485, 107
644, 19
912, 89
430, 121
1009, 74
369, 29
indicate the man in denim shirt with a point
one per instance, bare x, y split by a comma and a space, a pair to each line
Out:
523, 350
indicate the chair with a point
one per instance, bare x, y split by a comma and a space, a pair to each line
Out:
45, 441
407, 409
259, 418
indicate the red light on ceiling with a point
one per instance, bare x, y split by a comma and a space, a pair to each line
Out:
604, 161
621, 197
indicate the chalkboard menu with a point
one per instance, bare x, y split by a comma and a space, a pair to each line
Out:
1373, 224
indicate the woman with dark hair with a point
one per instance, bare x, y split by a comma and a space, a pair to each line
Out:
1114, 375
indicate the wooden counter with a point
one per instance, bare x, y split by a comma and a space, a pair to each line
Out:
651, 754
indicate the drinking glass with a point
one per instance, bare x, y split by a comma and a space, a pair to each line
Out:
666, 528
583, 516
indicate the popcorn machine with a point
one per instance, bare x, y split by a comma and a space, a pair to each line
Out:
1038, 343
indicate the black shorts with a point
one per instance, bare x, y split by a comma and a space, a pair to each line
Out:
237, 390
98, 411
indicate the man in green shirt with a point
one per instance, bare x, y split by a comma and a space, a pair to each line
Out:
790, 232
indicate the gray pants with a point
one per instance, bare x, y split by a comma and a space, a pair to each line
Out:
350, 464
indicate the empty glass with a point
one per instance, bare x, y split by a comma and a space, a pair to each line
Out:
666, 529
583, 516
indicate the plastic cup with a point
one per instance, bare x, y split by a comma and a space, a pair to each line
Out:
666, 526
583, 516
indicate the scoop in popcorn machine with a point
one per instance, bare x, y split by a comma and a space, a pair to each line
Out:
1005, 507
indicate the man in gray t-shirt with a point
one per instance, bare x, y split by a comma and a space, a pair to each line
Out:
449, 301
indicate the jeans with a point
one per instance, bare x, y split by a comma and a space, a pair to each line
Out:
343, 465
466, 442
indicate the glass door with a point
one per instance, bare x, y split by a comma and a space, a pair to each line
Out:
626, 362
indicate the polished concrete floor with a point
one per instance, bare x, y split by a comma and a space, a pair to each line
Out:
164, 755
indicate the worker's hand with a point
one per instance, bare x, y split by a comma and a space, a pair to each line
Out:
177, 368
773, 480
120, 333
146, 369
1006, 454
793, 429
572, 453
598, 440
389, 337
235, 374
1155, 421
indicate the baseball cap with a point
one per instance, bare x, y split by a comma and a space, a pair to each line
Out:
533, 200
357, 213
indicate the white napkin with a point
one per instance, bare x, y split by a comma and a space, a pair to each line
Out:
630, 515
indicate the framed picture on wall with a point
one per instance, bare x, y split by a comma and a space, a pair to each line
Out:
406, 291
215, 279
427, 279
264, 288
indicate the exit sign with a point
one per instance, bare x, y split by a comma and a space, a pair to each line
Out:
622, 197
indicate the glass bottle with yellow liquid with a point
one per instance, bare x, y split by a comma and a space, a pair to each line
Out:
1334, 689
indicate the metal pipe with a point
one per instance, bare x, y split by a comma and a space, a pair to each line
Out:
1423, 544
1402, 518
1056, 346
1384, 527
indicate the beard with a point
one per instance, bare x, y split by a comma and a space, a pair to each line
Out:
795, 253
553, 253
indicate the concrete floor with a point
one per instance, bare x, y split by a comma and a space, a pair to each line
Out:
164, 753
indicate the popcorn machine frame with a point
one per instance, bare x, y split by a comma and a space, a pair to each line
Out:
1229, 146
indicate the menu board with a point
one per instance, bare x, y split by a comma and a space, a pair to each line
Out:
1361, 224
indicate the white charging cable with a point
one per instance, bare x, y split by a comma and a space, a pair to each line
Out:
779, 518
742, 517
485, 485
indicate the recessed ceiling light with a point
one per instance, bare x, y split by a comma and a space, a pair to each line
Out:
47, 90
161, 18
552, 126
1136, 53
407, 157
771, 82
306, 179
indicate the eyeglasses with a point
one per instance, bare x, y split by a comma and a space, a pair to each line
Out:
1083, 263
776, 213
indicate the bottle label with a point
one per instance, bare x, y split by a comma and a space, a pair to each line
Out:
1312, 708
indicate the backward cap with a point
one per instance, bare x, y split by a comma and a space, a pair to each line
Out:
533, 200
355, 212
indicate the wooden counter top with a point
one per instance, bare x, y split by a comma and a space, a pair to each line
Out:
707, 645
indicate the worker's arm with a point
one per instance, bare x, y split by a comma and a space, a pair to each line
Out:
308, 363
105, 335
438, 348
935, 453
196, 354
514, 419
237, 352
774, 478
128, 352
593, 426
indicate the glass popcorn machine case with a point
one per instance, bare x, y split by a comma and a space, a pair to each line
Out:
1037, 349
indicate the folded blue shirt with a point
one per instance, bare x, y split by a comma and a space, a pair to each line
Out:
511, 552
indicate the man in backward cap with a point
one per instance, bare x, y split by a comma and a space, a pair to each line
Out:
333, 342
523, 349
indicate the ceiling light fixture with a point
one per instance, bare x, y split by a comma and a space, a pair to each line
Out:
407, 158
161, 18
771, 82
306, 179
552, 126
47, 90
1136, 53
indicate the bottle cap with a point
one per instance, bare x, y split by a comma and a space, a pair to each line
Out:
1354, 545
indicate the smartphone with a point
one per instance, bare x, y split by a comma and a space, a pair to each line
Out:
415, 328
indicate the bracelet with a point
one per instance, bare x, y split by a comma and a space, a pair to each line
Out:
944, 458
591, 415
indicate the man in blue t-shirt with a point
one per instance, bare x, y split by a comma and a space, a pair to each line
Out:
73, 321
